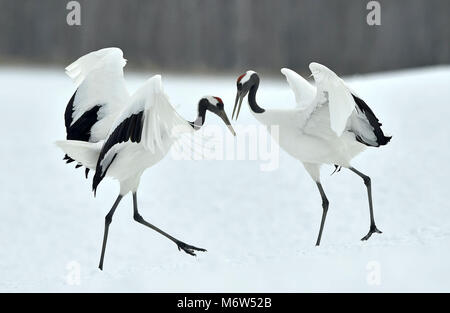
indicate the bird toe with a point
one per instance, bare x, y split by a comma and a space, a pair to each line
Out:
372, 230
189, 249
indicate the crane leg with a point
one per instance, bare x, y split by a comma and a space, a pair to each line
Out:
325, 204
108, 220
367, 182
181, 245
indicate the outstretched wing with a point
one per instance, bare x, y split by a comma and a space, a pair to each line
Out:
304, 92
100, 94
340, 99
149, 120
162, 124
347, 111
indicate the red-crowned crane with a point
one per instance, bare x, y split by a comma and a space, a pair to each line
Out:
121, 136
330, 125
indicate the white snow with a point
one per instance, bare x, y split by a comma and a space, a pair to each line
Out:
259, 227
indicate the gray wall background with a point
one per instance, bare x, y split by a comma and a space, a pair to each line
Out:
231, 35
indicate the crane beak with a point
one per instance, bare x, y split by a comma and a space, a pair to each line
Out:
239, 97
225, 119
235, 104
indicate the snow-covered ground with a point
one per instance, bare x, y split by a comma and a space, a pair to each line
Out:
259, 227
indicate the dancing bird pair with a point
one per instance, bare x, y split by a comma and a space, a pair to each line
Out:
120, 136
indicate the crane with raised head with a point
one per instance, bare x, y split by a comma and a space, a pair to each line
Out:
329, 125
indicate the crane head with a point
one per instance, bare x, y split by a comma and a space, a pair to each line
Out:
243, 85
215, 105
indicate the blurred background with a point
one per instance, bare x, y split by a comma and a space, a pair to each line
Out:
231, 35
259, 227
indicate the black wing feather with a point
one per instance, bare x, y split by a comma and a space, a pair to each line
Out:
81, 128
129, 129
373, 121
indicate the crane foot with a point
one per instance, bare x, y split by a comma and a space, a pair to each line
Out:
188, 248
373, 229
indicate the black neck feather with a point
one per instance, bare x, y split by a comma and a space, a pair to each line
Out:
200, 120
252, 98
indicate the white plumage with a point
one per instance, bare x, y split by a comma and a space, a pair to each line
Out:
161, 127
303, 91
99, 79
121, 136
85, 65
330, 125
